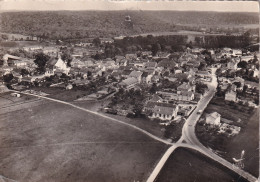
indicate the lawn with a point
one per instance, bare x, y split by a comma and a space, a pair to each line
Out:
247, 139
6, 99
61, 93
188, 166
55, 142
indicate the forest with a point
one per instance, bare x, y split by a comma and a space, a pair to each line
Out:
90, 24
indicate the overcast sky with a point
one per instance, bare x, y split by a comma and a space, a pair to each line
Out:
233, 6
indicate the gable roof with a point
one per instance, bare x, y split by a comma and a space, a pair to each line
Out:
213, 115
135, 74
151, 64
163, 110
129, 81
51, 62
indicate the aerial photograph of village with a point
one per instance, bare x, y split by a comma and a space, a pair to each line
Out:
129, 91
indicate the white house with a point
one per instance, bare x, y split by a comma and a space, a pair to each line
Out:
232, 65
165, 113
231, 96
213, 118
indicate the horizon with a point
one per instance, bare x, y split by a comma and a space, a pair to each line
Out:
112, 5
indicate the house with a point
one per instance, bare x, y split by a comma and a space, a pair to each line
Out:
181, 96
187, 87
146, 77
137, 75
151, 65
232, 65
58, 64
203, 74
237, 52
166, 63
106, 40
164, 112
186, 96
9, 59
130, 56
255, 73
3, 89
193, 64
213, 118
19, 63
231, 95
128, 83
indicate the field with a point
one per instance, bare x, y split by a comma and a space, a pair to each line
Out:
55, 142
61, 93
247, 139
189, 166
21, 44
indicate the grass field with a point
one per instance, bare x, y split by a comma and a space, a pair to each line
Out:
189, 166
55, 142
61, 93
247, 139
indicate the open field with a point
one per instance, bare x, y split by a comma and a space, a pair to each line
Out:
55, 142
61, 93
188, 166
6, 99
247, 139
20, 44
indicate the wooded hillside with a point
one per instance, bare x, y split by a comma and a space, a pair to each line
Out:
83, 24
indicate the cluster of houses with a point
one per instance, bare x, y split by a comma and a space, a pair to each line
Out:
183, 71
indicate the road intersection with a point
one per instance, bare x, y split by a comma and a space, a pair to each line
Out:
187, 140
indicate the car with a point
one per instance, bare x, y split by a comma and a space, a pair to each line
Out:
199, 112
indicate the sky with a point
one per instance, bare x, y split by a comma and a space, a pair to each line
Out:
231, 6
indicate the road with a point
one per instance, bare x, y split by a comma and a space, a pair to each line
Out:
190, 140
188, 133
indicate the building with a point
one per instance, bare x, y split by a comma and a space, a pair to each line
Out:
232, 65
165, 113
186, 87
231, 96
213, 118
128, 83
58, 64
137, 75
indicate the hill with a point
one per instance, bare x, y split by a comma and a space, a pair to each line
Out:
84, 24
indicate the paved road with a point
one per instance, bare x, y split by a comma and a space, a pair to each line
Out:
188, 134
191, 141
101, 115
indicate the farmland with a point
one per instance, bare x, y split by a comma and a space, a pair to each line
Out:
246, 140
187, 165
54, 142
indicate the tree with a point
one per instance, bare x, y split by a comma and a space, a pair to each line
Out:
40, 60
153, 89
8, 77
242, 64
201, 88
238, 84
24, 72
96, 42
67, 58
4, 36
155, 48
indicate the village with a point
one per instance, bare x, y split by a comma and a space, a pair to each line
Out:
164, 86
